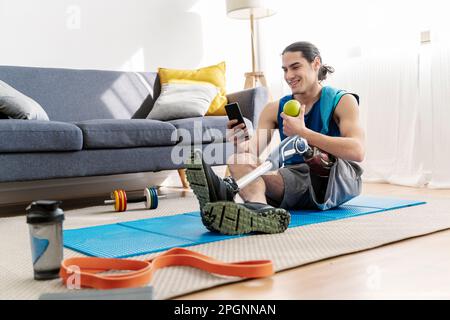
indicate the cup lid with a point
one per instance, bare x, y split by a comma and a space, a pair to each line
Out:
44, 211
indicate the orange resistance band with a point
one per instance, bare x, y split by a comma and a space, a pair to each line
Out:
140, 272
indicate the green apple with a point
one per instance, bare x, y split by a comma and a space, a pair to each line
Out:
292, 108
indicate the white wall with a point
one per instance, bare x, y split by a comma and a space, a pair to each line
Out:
135, 35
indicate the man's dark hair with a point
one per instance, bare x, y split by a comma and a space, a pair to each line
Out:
310, 52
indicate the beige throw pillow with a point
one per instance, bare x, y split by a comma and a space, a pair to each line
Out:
179, 100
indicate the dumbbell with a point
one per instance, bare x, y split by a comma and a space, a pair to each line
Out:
119, 199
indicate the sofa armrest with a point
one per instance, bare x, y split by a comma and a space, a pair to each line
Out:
251, 101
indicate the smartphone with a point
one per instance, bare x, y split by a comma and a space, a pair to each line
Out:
234, 113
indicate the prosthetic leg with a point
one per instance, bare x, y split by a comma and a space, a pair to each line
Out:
287, 149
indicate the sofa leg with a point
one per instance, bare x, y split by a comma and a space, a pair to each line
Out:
182, 174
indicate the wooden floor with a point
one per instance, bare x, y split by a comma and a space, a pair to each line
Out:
417, 268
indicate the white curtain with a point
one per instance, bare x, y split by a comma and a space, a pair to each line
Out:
440, 111
388, 84
403, 84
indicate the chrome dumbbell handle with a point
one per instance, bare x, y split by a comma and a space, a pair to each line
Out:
129, 200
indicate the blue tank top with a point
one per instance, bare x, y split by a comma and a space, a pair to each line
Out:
319, 118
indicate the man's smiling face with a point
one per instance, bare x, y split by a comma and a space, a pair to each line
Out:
300, 74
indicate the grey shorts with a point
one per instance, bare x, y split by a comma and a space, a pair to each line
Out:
303, 190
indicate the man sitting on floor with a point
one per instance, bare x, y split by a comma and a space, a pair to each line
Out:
328, 120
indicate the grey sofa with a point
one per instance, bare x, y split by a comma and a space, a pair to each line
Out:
97, 124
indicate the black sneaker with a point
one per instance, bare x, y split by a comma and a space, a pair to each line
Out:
240, 218
207, 186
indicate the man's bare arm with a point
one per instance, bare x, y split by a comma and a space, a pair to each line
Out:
350, 146
263, 134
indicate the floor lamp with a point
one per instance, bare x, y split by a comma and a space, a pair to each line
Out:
250, 10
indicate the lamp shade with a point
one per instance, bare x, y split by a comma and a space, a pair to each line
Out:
243, 9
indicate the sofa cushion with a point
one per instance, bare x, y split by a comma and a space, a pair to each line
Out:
203, 129
129, 133
39, 136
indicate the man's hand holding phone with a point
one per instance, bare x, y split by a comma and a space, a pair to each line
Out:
237, 130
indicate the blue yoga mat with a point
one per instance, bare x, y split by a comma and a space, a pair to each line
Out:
302, 218
146, 236
183, 226
116, 241
382, 203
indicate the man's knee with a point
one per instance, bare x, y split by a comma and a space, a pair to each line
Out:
274, 186
241, 163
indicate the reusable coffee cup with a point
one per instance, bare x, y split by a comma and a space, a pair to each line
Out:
45, 220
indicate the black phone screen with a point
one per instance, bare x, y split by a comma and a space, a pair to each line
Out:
234, 112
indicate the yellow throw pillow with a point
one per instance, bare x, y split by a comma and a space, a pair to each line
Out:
214, 75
